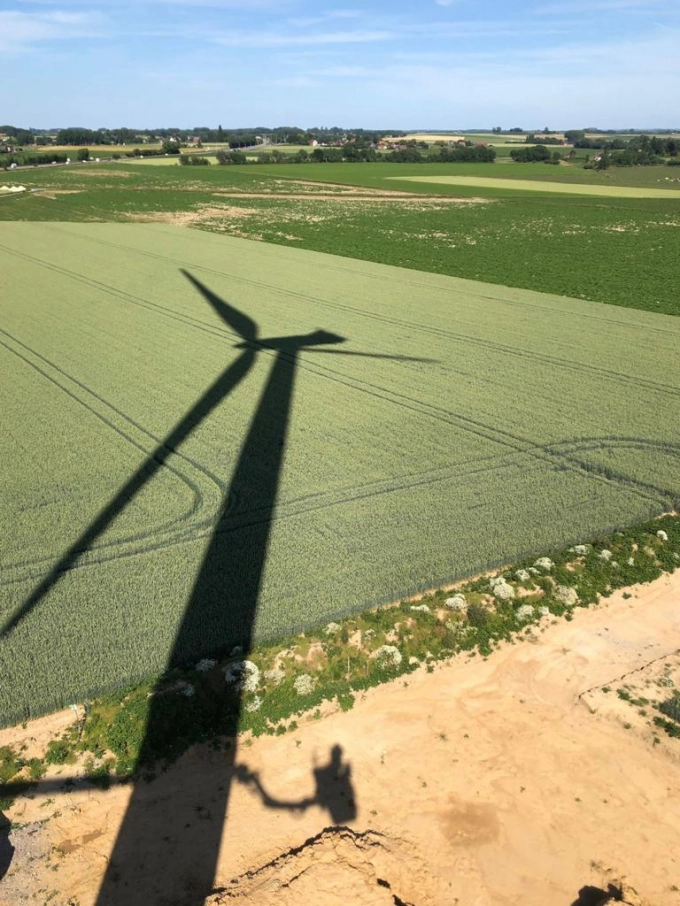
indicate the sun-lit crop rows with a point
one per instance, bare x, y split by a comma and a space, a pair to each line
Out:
470, 423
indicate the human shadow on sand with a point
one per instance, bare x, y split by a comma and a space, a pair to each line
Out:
334, 791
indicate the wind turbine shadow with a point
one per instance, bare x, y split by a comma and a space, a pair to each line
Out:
219, 614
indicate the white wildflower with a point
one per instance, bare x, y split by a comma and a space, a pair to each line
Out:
503, 591
631, 561
420, 608
544, 563
522, 575
205, 665
243, 675
544, 611
533, 571
303, 684
332, 628
524, 612
236, 651
662, 535
413, 661
276, 675
566, 595
388, 656
254, 704
369, 633
605, 555
580, 549
457, 602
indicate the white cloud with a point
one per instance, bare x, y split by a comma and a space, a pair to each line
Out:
21, 30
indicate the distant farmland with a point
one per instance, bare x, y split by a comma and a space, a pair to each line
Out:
443, 426
535, 185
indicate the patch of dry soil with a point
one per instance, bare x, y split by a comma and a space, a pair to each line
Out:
485, 783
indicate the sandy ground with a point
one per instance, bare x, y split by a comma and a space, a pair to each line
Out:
486, 783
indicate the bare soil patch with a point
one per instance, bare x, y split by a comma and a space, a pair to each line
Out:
200, 214
55, 193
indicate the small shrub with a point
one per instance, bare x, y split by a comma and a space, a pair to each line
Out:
478, 616
59, 752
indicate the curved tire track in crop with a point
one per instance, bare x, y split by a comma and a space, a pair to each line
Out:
61, 379
567, 454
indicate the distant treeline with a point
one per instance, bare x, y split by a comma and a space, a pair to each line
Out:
235, 138
650, 144
361, 154
33, 158
40, 158
640, 151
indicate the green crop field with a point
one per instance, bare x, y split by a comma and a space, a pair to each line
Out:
623, 251
442, 425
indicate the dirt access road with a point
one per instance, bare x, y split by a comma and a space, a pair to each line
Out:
484, 783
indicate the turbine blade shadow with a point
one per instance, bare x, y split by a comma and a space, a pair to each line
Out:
244, 326
155, 461
374, 355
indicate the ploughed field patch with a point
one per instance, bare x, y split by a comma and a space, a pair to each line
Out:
436, 427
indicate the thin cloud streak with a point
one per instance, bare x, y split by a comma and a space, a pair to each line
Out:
281, 39
594, 7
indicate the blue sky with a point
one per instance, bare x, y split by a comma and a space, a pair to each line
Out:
440, 64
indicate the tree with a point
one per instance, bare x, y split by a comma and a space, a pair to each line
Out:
530, 154
231, 157
83, 154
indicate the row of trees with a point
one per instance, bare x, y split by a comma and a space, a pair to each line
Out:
235, 138
358, 154
647, 144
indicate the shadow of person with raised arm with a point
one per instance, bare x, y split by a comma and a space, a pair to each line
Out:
6, 848
334, 791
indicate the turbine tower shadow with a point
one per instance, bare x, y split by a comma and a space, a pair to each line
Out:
224, 596
221, 609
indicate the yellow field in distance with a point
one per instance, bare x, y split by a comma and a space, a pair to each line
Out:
424, 137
